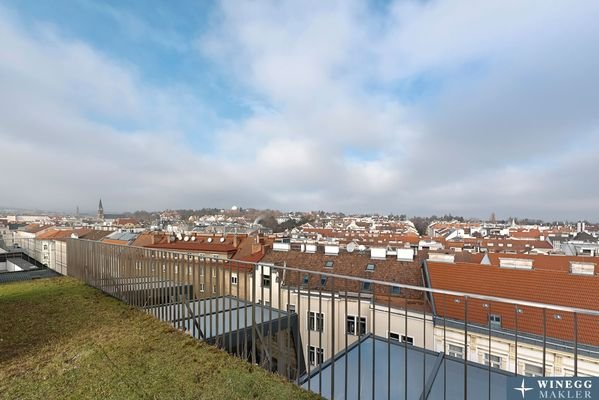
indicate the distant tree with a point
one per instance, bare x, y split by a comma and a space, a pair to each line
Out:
270, 221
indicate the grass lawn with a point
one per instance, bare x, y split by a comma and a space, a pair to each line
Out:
61, 339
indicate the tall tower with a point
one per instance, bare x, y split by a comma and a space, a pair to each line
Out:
100, 211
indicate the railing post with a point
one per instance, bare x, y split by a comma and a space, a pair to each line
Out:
544, 341
575, 344
465, 347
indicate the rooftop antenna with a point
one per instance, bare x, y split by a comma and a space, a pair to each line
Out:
351, 246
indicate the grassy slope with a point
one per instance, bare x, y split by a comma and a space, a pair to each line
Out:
61, 339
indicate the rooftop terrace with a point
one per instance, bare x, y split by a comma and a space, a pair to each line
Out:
60, 338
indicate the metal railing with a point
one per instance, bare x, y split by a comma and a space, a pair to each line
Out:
347, 337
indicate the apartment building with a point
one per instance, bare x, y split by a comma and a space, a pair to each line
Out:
336, 312
516, 335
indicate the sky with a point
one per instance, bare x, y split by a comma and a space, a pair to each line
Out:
415, 107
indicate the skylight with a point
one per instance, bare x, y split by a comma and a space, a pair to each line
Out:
328, 264
370, 267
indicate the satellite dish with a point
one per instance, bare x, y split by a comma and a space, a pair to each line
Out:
351, 247
222, 239
361, 247
210, 240
193, 238
179, 236
186, 238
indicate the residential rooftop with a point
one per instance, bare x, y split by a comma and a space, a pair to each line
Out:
63, 339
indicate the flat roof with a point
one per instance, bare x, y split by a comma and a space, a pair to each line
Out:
219, 316
428, 372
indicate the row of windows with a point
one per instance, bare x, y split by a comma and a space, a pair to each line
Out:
495, 361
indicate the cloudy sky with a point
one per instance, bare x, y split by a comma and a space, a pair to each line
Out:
404, 107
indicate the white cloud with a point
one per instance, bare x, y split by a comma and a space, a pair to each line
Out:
513, 88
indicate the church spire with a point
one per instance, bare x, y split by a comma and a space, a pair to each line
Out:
100, 211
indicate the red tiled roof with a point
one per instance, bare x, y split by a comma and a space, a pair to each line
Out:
550, 285
35, 228
62, 234
353, 265
546, 262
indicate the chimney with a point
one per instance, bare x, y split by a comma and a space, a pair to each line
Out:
168, 238
235, 241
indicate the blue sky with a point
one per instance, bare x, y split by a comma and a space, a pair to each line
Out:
393, 106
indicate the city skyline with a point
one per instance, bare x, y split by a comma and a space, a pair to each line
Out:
342, 106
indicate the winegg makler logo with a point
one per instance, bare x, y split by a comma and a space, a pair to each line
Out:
567, 388
523, 389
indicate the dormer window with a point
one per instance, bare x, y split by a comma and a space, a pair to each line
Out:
582, 268
367, 286
323, 280
495, 320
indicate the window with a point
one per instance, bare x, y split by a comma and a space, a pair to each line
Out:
213, 288
455, 351
495, 320
234, 279
395, 290
315, 355
370, 267
351, 325
323, 280
201, 287
367, 286
45, 247
202, 270
214, 272
266, 280
494, 361
306, 279
315, 321
532, 370
394, 336
328, 264
291, 308
407, 339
